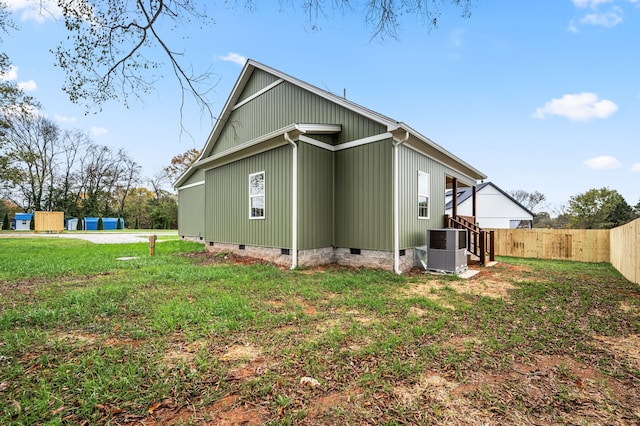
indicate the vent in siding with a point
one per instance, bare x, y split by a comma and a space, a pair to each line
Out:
403, 252
354, 251
286, 252
241, 247
211, 243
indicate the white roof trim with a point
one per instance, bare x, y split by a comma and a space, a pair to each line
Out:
346, 145
258, 93
191, 185
292, 128
246, 145
363, 141
320, 129
315, 142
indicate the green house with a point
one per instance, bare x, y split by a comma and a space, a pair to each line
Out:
301, 177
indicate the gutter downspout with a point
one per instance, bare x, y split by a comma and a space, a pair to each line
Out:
294, 202
396, 209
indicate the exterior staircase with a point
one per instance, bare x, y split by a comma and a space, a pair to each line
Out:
480, 243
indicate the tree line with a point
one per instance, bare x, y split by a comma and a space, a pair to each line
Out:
45, 168
598, 208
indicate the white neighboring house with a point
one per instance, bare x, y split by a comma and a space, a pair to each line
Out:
494, 207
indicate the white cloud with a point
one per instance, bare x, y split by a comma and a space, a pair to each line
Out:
456, 38
577, 107
592, 4
11, 74
604, 20
635, 168
64, 119
603, 162
233, 57
27, 86
35, 11
98, 131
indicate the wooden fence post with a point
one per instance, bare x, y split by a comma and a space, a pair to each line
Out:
152, 245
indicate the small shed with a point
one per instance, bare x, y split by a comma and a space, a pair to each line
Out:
71, 224
23, 221
49, 221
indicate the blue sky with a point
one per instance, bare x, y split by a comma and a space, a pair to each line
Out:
539, 95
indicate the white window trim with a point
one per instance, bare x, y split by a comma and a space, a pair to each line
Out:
263, 195
427, 195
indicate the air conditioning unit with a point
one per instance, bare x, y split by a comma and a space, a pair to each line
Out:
447, 250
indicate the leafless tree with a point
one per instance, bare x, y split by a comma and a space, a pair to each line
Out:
108, 52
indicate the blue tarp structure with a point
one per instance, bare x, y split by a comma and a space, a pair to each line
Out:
108, 223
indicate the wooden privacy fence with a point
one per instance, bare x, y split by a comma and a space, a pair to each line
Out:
581, 245
625, 250
619, 246
49, 221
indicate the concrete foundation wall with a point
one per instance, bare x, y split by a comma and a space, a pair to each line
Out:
374, 259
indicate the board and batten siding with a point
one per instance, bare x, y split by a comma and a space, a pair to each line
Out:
413, 231
191, 206
315, 197
258, 81
191, 212
227, 201
364, 197
287, 104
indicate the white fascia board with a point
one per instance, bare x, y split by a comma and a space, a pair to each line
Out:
191, 185
249, 144
320, 129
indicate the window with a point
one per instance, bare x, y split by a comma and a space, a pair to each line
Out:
256, 195
423, 195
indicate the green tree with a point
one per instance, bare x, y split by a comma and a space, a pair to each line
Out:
602, 208
79, 224
180, 163
5, 222
533, 201
164, 212
100, 225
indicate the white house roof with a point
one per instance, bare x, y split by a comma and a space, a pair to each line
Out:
466, 192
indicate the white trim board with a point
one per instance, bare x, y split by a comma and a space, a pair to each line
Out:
257, 94
191, 185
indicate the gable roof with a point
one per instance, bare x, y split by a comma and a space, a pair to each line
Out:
466, 192
416, 140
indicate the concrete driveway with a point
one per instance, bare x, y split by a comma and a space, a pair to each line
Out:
97, 238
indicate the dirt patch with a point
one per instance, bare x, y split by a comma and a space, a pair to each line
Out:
206, 258
180, 352
241, 353
227, 411
461, 344
432, 290
623, 347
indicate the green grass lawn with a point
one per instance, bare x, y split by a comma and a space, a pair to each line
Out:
186, 337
